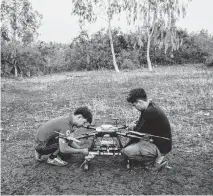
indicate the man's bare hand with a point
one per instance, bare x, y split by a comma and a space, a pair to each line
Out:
131, 126
85, 151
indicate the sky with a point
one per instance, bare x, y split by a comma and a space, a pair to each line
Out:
58, 25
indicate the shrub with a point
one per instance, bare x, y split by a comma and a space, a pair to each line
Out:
209, 61
128, 64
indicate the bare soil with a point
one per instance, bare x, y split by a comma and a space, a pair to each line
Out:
186, 94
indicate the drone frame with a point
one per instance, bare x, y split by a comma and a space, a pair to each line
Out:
112, 132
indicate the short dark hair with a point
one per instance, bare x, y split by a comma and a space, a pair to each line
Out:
85, 112
137, 93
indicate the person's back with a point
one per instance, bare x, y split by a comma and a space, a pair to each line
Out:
48, 140
152, 121
155, 122
49, 129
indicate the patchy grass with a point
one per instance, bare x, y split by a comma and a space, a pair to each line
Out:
184, 92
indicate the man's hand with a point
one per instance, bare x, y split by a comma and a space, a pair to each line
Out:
131, 126
85, 151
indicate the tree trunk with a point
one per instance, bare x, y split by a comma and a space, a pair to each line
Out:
111, 41
16, 71
113, 53
148, 55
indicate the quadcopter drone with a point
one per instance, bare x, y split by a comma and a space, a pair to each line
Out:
106, 141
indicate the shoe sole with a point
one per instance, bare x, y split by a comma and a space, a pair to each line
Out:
56, 164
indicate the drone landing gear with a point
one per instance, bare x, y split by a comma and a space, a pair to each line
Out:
128, 164
86, 166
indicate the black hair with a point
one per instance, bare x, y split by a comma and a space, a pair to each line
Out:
85, 112
137, 93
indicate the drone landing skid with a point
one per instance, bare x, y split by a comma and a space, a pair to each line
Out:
106, 142
92, 155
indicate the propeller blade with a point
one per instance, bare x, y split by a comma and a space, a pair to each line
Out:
146, 134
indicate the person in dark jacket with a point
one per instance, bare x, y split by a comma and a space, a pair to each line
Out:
154, 121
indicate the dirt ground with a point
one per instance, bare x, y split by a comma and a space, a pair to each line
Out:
27, 103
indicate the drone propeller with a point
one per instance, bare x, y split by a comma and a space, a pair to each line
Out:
127, 135
89, 127
145, 134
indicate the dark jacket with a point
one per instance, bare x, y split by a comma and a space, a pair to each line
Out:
154, 121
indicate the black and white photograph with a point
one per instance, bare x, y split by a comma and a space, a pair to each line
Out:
106, 97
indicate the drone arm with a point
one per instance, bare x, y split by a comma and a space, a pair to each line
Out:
122, 127
137, 133
89, 127
85, 136
128, 135
146, 134
165, 138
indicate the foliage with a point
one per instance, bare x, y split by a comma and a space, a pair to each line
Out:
93, 53
205, 43
89, 10
155, 18
19, 20
29, 59
128, 64
22, 56
19, 28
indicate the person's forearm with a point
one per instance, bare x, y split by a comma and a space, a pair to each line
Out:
74, 145
70, 150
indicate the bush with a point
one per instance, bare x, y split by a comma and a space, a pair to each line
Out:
128, 64
209, 61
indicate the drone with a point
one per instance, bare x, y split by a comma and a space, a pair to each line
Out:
106, 141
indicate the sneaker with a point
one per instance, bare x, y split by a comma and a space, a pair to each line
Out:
157, 166
38, 157
160, 166
56, 161
159, 160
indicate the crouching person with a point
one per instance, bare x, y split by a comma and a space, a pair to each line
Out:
48, 141
152, 121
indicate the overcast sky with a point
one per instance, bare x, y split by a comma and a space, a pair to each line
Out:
58, 25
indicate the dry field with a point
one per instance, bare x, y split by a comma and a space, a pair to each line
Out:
184, 92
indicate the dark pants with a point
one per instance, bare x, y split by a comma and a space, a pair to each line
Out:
49, 147
44, 148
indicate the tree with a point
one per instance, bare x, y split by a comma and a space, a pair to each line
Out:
19, 20
205, 43
88, 10
152, 17
19, 25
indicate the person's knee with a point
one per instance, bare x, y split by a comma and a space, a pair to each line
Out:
128, 151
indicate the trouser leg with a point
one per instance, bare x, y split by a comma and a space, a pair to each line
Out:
143, 151
49, 147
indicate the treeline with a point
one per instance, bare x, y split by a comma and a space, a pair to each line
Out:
93, 53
